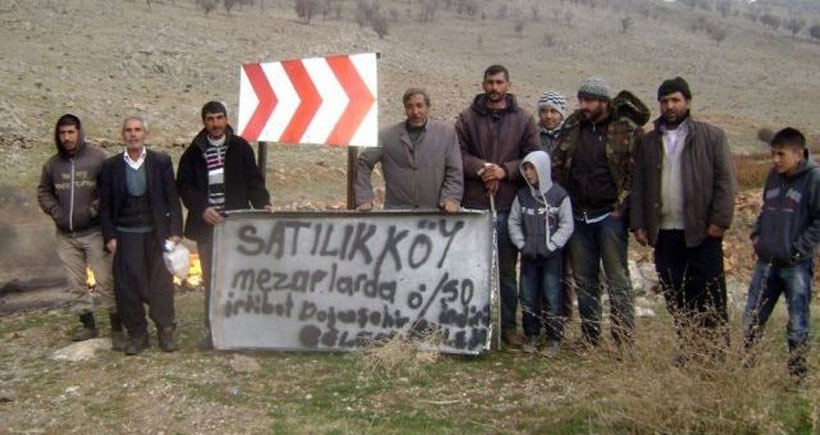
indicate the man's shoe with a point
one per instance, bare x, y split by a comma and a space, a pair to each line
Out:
118, 338
136, 344
530, 345
165, 337
512, 339
118, 341
88, 330
551, 349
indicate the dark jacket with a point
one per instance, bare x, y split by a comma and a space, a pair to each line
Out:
502, 138
708, 179
68, 188
162, 195
788, 227
624, 131
244, 184
415, 176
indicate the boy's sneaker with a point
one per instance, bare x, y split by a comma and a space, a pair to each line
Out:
551, 349
531, 345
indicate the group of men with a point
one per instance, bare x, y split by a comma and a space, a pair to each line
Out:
118, 215
673, 187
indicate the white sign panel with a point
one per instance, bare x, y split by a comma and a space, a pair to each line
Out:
337, 281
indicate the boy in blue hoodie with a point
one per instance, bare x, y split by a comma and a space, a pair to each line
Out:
540, 224
784, 237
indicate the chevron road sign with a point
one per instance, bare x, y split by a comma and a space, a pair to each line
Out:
326, 100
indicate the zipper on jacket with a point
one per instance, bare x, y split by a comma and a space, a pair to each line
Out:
71, 200
546, 219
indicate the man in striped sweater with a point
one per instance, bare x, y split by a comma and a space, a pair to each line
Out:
217, 173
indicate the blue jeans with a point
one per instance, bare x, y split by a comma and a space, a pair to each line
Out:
542, 296
507, 257
591, 245
794, 282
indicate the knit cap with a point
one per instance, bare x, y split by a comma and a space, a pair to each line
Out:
554, 100
595, 88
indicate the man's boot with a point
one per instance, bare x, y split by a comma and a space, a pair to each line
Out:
136, 344
118, 338
88, 329
166, 339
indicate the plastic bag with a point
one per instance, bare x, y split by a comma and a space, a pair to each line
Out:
177, 259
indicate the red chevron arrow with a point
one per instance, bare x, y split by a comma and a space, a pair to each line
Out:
309, 104
360, 100
265, 95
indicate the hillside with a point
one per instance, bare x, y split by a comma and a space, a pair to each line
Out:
106, 59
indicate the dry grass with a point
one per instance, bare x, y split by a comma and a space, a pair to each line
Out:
752, 169
400, 355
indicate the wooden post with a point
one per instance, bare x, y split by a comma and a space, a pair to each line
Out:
262, 159
352, 159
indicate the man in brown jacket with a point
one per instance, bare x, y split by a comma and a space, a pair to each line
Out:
682, 202
495, 134
420, 159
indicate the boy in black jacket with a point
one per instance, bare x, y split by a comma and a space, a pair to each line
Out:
784, 237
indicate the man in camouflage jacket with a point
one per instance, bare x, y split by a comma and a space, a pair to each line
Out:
595, 161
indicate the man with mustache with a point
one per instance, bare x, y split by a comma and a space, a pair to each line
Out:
420, 160
217, 173
682, 203
141, 216
494, 135
594, 161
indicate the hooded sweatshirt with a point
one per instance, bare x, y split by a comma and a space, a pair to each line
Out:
540, 221
788, 227
68, 187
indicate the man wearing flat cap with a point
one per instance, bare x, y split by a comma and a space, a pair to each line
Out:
594, 160
682, 203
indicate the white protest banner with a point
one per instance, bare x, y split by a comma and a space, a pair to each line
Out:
338, 280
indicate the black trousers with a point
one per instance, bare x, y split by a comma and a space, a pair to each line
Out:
694, 286
140, 277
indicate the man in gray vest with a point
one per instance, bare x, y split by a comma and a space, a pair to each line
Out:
141, 216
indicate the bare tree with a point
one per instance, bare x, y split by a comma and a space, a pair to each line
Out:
305, 9
725, 8
519, 27
626, 23
814, 31
717, 33
379, 24
206, 5
770, 20
229, 4
548, 40
535, 9
502, 12
795, 25
428, 10
568, 16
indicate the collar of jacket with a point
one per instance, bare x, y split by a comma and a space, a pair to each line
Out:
480, 104
201, 139
658, 122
